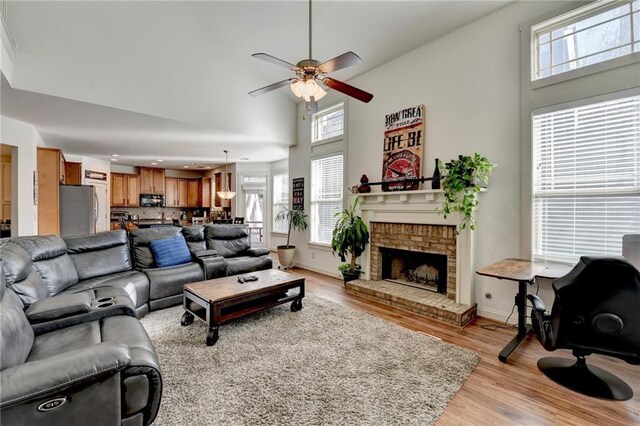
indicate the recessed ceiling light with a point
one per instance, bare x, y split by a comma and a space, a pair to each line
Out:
186, 167
154, 164
115, 155
159, 160
114, 159
244, 158
208, 167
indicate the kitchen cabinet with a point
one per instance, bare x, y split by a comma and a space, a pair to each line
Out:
73, 173
151, 180
171, 192
125, 190
193, 193
6, 190
183, 190
50, 166
206, 193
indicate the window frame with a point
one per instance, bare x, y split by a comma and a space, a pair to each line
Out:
335, 153
273, 198
608, 78
327, 111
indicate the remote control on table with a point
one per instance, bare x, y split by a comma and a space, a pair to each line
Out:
246, 278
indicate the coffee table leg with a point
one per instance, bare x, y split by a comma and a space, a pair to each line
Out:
212, 336
187, 318
296, 305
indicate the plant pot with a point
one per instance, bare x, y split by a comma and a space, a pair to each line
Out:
286, 255
350, 276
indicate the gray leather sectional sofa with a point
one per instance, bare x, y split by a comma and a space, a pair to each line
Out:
71, 348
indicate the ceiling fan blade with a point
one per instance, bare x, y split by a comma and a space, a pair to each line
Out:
273, 86
339, 62
354, 92
276, 61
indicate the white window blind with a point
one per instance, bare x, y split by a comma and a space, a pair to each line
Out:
280, 199
328, 123
601, 31
326, 196
586, 179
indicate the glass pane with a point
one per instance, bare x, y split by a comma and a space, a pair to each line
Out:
591, 21
253, 217
328, 124
636, 5
544, 56
543, 38
636, 26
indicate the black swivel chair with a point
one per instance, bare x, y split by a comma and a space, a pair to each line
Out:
596, 310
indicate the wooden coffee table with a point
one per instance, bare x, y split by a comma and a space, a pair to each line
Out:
221, 300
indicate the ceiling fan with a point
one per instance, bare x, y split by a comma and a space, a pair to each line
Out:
309, 72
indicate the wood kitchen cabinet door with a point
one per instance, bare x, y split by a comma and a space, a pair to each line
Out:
171, 192
73, 173
49, 161
158, 181
183, 190
133, 190
146, 180
193, 193
118, 190
206, 192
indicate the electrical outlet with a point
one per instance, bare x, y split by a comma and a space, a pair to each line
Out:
488, 295
313, 255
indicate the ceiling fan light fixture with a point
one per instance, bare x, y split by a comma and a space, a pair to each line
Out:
297, 88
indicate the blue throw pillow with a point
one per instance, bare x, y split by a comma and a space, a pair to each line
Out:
170, 251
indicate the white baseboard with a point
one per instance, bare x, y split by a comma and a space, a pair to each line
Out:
496, 315
330, 272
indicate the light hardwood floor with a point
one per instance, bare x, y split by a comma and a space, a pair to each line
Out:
497, 393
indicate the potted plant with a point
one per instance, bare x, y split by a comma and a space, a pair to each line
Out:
462, 180
296, 220
350, 237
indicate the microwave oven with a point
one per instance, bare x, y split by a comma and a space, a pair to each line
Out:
152, 200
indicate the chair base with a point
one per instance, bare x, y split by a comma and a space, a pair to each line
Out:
585, 379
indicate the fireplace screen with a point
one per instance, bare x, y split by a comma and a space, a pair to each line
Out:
417, 269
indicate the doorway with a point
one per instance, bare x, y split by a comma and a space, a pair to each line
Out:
254, 189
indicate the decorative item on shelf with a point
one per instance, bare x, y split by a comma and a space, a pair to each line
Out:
462, 180
296, 220
350, 237
364, 188
226, 193
435, 182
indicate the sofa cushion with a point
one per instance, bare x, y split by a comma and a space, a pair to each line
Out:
170, 251
17, 262
195, 238
31, 289
16, 334
165, 282
140, 240
50, 260
242, 264
95, 255
228, 240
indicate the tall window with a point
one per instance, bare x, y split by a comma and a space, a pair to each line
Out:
280, 199
328, 123
326, 196
586, 179
595, 33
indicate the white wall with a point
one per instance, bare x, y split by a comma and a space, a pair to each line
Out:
469, 82
24, 137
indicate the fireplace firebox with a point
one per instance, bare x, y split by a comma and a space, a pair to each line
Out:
413, 268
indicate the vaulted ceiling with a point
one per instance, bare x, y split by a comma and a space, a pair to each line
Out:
169, 80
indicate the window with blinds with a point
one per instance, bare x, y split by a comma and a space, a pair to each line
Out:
280, 200
601, 31
326, 196
328, 123
586, 179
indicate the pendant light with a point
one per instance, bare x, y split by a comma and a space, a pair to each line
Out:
226, 194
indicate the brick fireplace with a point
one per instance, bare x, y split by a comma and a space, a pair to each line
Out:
432, 239
406, 224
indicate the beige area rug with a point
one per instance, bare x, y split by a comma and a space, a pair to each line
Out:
324, 365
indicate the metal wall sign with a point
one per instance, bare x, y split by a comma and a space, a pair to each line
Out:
90, 174
297, 192
402, 149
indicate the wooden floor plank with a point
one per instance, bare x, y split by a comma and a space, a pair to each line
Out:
499, 393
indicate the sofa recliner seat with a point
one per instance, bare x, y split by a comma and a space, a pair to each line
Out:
233, 243
101, 372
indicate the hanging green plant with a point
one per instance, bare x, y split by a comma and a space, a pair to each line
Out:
462, 180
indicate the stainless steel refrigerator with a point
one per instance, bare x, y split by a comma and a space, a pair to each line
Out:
78, 210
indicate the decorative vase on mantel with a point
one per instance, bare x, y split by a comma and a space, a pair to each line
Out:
435, 182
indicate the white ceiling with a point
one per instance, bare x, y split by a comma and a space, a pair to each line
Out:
169, 80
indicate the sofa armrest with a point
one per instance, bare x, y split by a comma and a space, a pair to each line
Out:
537, 303
32, 379
60, 306
205, 253
255, 252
